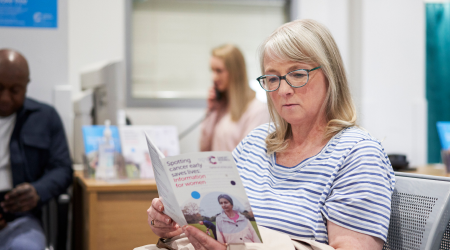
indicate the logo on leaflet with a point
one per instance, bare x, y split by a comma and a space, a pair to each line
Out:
212, 160
215, 160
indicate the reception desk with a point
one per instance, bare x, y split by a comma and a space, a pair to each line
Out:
434, 169
111, 215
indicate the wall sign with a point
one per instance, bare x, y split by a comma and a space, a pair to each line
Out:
29, 13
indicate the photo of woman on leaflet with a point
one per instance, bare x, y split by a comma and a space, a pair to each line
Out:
223, 217
233, 226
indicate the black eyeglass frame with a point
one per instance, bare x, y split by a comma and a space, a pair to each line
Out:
284, 77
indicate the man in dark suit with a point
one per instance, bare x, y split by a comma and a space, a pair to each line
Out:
35, 164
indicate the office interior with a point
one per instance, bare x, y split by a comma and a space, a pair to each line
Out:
383, 44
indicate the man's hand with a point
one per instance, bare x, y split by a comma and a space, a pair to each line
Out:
2, 222
23, 198
202, 241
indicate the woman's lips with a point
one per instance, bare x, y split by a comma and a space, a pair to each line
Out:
289, 105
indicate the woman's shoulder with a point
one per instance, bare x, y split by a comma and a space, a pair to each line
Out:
355, 142
258, 135
355, 135
221, 215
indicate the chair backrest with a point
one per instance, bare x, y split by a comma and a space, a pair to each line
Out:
420, 213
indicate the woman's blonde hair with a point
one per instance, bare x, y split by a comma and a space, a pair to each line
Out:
239, 92
308, 41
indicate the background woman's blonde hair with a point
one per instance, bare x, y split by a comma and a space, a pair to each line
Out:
308, 41
239, 92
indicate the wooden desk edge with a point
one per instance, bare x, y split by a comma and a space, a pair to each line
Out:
431, 169
131, 185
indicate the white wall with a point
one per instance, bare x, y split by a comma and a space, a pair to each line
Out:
46, 52
383, 46
334, 15
393, 76
96, 33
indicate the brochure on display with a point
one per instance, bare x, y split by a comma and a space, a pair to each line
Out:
205, 190
131, 152
444, 134
134, 147
92, 137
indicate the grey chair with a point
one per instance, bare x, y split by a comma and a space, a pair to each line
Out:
420, 213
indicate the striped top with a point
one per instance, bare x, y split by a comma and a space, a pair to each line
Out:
350, 182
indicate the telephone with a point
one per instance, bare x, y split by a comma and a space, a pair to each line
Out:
6, 216
219, 95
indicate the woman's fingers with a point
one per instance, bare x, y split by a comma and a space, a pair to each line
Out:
155, 212
202, 241
211, 98
169, 234
161, 224
160, 217
158, 205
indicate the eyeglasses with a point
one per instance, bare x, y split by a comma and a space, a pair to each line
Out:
296, 79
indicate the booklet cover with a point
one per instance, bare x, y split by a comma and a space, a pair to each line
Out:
205, 190
135, 151
444, 134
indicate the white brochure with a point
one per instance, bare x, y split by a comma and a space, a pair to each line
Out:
205, 190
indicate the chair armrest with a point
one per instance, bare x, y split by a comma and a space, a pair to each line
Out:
55, 216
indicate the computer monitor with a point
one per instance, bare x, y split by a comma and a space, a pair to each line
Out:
107, 80
102, 98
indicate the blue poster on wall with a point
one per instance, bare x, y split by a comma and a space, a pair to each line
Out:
29, 13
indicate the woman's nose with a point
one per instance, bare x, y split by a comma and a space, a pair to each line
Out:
215, 76
285, 89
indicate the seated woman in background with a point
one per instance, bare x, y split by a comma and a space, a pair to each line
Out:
233, 110
312, 174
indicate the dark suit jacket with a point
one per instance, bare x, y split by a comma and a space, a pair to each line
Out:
38, 150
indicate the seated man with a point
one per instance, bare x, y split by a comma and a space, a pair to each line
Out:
35, 164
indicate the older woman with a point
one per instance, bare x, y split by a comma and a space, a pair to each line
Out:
232, 226
312, 174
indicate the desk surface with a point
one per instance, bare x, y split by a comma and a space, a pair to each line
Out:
125, 185
434, 169
150, 184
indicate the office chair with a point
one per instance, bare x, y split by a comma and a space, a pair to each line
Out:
420, 213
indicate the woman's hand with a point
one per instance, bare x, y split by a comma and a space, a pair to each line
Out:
161, 224
201, 241
212, 100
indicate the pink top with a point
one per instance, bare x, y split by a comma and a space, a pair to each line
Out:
236, 216
220, 133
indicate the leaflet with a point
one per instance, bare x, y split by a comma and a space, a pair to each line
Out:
205, 190
135, 151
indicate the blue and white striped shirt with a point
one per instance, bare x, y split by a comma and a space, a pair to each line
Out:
350, 182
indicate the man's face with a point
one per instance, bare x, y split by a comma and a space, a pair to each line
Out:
13, 87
